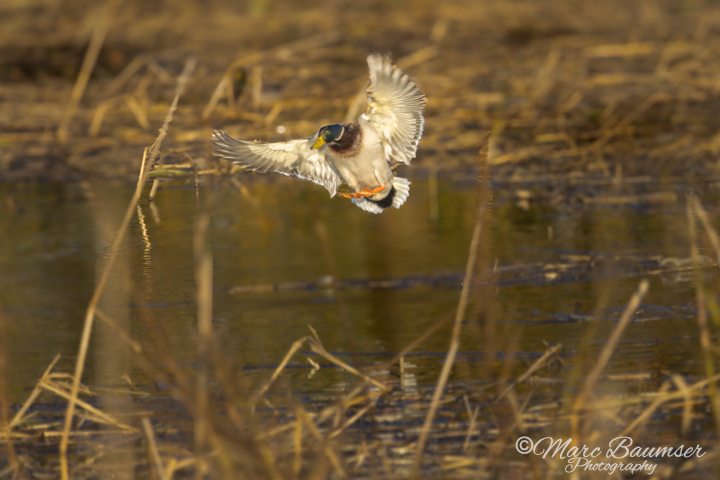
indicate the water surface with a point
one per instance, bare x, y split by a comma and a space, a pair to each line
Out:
57, 237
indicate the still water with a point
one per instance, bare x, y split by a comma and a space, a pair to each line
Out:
56, 238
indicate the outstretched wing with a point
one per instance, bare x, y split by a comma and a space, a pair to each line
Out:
293, 158
395, 106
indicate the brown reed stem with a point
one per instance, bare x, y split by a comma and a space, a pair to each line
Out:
91, 55
693, 207
610, 345
533, 368
153, 450
455, 340
90, 313
203, 281
35, 393
294, 348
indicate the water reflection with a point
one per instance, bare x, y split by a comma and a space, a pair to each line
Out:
56, 236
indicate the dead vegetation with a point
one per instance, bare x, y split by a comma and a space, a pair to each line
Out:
384, 426
586, 94
568, 89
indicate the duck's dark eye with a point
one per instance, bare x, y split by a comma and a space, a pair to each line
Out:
331, 133
336, 131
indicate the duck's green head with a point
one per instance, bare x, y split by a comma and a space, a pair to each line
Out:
328, 134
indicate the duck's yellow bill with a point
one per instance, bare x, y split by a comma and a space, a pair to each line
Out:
318, 143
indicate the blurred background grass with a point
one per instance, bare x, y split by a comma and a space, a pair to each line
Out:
595, 88
587, 101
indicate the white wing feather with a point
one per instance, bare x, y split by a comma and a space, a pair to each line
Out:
293, 158
395, 106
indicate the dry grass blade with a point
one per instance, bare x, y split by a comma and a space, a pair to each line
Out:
693, 389
33, 396
518, 424
472, 415
91, 56
90, 313
314, 41
455, 340
203, 280
179, 89
533, 368
546, 73
419, 341
294, 348
351, 399
661, 397
702, 303
152, 446
120, 332
354, 418
312, 428
101, 416
317, 347
610, 345
709, 229
682, 387
132, 68
99, 115
137, 110
609, 131
297, 443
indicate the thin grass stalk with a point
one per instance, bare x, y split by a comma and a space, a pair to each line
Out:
294, 47
297, 443
90, 313
420, 340
294, 348
486, 334
203, 280
101, 417
472, 416
533, 368
91, 55
354, 418
711, 233
320, 350
153, 450
682, 386
130, 69
644, 416
693, 206
711, 303
4, 404
455, 340
35, 393
315, 432
610, 345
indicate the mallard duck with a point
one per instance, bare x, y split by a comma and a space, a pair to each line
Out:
359, 154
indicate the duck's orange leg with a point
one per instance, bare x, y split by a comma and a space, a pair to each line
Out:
365, 192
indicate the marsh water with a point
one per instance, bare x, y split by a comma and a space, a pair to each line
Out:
563, 275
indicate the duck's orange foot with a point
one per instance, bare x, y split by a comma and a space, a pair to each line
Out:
365, 192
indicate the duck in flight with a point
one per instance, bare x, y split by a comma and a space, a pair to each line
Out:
359, 154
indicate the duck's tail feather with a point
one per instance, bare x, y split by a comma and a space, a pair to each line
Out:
401, 187
402, 191
367, 205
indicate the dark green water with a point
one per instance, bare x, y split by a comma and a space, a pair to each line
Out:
57, 236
